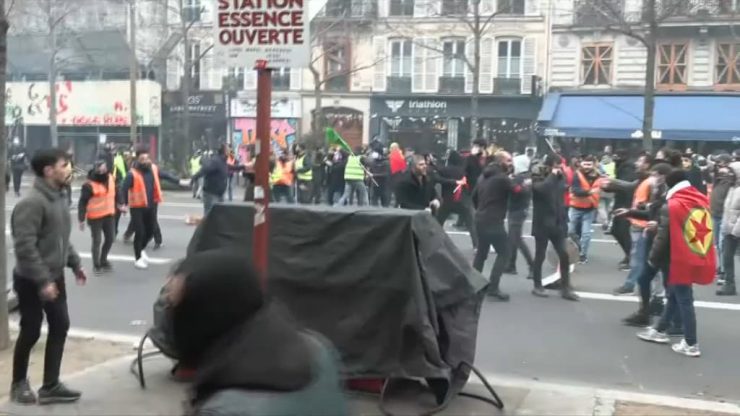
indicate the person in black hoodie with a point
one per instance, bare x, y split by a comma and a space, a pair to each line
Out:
415, 189
456, 194
518, 211
549, 222
380, 168
491, 200
99, 198
215, 174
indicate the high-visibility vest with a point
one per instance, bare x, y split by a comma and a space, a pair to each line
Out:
354, 171
119, 164
642, 194
137, 194
195, 165
282, 174
103, 200
306, 176
610, 169
585, 202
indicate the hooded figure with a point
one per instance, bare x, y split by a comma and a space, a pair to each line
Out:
250, 357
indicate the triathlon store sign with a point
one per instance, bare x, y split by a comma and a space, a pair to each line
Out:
271, 30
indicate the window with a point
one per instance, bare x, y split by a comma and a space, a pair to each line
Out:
511, 6
401, 8
729, 6
510, 58
281, 79
672, 64
728, 63
596, 63
454, 7
401, 58
337, 65
195, 65
191, 10
337, 8
453, 64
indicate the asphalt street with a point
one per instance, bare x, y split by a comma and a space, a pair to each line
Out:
549, 339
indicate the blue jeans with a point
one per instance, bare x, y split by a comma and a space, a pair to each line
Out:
681, 303
209, 200
718, 243
351, 187
584, 217
638, 257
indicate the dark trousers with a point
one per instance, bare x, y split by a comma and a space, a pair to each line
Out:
157, 231
380, 195
103, 234
492, 236
32, 310
305, 192
282, 192
464, 211
144, 221
516, 242
17, 176
680, 305
621, 233
558, 243
729, 247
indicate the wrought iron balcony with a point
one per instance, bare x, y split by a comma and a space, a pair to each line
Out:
507, 86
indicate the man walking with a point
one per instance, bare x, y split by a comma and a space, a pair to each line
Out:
18, 164
98, 200
415, 190
584, 203
723, 181
684, 246
195, 166
215, 176
41, 226
354, 180
731, 232
518, 211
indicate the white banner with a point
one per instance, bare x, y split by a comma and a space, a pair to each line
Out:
276, 31
280, 108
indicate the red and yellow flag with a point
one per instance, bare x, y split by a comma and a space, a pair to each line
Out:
693, 258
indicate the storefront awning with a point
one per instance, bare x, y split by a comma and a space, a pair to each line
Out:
709, 117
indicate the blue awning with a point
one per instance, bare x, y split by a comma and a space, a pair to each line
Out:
677, 117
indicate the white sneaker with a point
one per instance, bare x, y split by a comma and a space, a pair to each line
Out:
686, 349
650, 334
144, 256
141, 264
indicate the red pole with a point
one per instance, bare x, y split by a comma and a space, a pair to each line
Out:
261, 234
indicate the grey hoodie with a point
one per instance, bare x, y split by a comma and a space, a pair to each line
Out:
731, 216
41, 227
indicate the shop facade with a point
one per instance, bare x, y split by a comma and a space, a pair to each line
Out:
89, 114
207, 115
436, 123
285, 121
349, 115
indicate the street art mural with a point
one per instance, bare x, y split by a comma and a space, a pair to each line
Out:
282, 131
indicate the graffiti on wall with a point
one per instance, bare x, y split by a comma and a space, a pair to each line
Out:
282, 131
82, 103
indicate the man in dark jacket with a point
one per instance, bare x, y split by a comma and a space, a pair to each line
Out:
456, 194
491, 199
722, 182
215, 174
41, 227
518, 212
415, 189
18, 164
549, 222
380, 168
620, 230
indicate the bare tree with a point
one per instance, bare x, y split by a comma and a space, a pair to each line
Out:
477, 19
330, 46
4, 332
645, 27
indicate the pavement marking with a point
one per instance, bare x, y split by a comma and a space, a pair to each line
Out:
593, 240
124, 258
724, 306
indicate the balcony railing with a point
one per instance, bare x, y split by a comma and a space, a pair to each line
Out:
451, 85
507, 86
398, 84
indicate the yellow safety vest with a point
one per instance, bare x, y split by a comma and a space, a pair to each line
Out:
306, 176
354, 171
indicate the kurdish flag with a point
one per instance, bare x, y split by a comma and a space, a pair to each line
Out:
334, 139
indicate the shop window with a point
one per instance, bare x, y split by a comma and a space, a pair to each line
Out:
511, 7
401, 58
728, 65
596, 64
454, 7
337, 65
453, 65
401, 8
281, 79
673, 65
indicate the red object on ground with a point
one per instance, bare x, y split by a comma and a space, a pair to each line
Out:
367, 385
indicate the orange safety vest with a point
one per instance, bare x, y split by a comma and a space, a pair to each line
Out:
283, 173
103, 200
642, 194
585, 202
137, 193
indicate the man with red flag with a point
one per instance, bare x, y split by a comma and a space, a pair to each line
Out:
684, 247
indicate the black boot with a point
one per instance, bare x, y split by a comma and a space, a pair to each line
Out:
641, 318
727, 290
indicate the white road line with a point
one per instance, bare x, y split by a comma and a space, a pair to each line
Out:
593, 240
124, 258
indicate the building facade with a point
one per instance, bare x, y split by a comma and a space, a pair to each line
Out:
597, 76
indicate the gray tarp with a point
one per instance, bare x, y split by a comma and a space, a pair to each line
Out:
387, 287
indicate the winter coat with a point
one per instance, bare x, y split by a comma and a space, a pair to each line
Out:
731, 216
549, 214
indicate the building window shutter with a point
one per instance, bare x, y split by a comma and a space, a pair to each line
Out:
250, 80
206, 71
433, 58
486, 65
383, 6
296, 79
529, 64
419, 54
468, 73
532, 7
381, 64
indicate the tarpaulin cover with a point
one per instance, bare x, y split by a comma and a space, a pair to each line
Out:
387, 287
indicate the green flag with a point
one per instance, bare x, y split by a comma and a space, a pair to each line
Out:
334, 139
